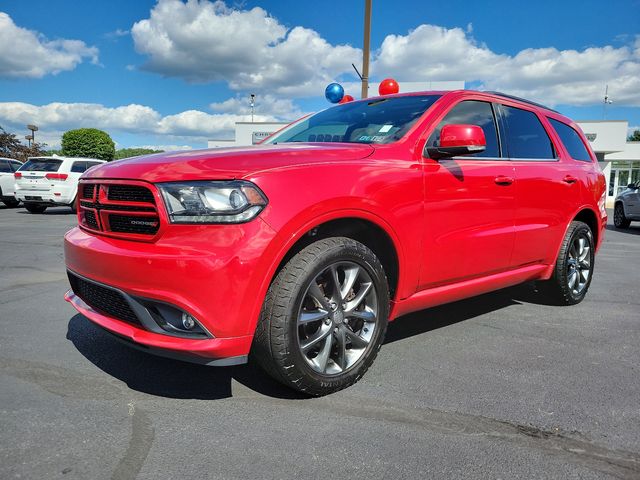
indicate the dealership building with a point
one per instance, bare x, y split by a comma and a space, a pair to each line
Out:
618, 158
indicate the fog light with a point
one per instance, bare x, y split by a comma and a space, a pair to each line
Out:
187, 321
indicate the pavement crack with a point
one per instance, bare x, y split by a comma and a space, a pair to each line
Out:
142, 436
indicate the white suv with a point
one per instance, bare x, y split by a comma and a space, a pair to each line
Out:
50, 181
7, 187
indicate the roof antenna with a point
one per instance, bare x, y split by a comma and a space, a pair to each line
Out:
607, 101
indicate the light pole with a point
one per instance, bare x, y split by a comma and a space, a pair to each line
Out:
607, 101
252, 103
366, 47
29, 138
33, 129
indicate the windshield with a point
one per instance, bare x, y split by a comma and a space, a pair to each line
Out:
382, 120
41, 165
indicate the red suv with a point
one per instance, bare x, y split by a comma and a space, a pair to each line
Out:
299, 251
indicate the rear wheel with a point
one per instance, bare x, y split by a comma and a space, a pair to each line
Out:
35, 208
11, 202
574, 267
324, 317
619, 219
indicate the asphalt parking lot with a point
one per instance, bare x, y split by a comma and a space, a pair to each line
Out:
499, 386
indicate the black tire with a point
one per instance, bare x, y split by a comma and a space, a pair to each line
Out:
558, 289
35, 208
276, 345
11, 202
619, 218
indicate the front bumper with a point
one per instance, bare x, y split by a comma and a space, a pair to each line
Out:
211, 272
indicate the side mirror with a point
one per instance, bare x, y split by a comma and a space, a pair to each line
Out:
458, 140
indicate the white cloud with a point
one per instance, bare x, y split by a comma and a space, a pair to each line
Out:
118, 32
25, 53
203, 41
269, 105
549, 75
55, 118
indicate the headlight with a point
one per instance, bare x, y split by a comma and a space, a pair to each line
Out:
233, 201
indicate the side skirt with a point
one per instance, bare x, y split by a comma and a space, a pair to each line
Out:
467, 288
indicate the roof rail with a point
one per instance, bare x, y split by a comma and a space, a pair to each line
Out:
520, 99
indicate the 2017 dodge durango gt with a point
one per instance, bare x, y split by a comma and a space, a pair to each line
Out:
299, 251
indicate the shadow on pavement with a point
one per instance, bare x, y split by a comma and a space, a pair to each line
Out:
48, 211
633, 229
162, 376
176, 379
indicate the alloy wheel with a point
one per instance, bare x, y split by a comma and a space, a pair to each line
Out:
337, 318
579, 264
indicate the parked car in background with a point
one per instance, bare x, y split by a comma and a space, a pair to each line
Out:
627, 206
299, 250
8, 166
50, 181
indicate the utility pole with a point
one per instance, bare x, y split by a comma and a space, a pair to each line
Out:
366, 48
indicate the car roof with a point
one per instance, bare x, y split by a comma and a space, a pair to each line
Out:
56, 157
495, 95
10, 159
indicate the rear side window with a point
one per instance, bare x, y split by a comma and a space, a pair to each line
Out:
4, 167
41, 165
78, 167
471, 112
526, 137
15, 166
571, 140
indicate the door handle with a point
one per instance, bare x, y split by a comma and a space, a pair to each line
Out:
502, 180
570, 179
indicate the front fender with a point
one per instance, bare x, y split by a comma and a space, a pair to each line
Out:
387, 194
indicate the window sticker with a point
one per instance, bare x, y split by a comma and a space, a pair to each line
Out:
385, 128
371, 138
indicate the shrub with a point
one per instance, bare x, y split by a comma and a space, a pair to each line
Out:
88, 142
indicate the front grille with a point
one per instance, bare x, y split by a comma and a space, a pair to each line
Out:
102, 299
88, 190
133, 224
90, 219
121, 210
130, 193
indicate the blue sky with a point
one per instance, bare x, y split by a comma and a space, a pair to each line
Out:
174, 74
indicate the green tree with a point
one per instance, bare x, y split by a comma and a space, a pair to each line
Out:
134, 152
88, 142
634, 137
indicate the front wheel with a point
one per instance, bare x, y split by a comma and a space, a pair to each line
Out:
35, 208
324, 317
619, 219
574, 267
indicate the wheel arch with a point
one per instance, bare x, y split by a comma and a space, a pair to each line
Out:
588, 216
362, 230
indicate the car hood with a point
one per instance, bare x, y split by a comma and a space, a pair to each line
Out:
227, 163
